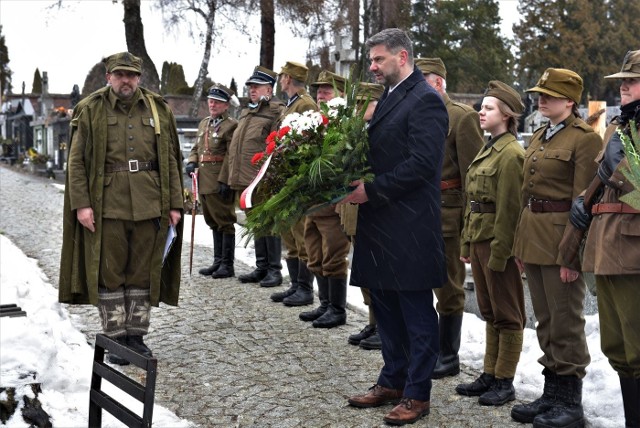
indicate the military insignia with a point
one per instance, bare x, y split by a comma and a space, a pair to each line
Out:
151, 122
543, 79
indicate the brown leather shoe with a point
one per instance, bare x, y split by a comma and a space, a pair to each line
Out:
407, 412
376, 396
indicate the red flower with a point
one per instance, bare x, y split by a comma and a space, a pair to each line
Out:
325, 120
283, 131
257, 158
271, 147
272, 137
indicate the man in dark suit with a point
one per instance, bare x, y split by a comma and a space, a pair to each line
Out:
399, 250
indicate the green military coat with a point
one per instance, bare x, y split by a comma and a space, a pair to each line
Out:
494, 176
80, 258
249, 138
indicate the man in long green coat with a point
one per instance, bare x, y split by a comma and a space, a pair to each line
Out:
123, 196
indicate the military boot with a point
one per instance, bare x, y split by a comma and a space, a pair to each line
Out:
527, 412
274, 256
115, 358
500, 392
448, 363
304, 294
630, 389
228, 255
336, 313
567, 411
323, 296
262, 264
292, 266
217, 254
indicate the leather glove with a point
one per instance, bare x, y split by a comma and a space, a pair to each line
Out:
225, 191
613, 154
580, 218
191, 168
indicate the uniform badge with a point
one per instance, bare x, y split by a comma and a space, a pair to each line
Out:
543, 79
151, 122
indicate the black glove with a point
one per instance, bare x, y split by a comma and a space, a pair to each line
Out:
225, 191
580, 218
613, 154
191, 168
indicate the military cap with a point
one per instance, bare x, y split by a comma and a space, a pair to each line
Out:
559, 83
123, 61
630, 66
431, 65
262, 76
331, 79
295, 70
506, 94
220, 92
371, 91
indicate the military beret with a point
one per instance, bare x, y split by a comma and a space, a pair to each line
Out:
431, 65
295, 70
123, 61
560, 83
331, 79
372, 91
220, 92
506, 94
262, 76
630, 66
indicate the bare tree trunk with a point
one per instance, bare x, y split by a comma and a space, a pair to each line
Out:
204, 66
267, 40
134, 33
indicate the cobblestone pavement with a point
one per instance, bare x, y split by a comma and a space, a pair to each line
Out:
228, 356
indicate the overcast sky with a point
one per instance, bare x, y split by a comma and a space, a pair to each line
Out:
67, 42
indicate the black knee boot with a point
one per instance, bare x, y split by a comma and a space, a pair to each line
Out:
217, 254
274, 257
304, 293
228, 255
336, 313
262, 264
448, 363
630, 389
323, 296
292, 266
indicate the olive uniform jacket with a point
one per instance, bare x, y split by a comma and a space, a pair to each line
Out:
209, 170
613, 240
494, 177
463, 143
254, 126
80, 258
556, 170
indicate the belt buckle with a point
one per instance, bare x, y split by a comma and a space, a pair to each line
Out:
473, 205
133, 165
529, 203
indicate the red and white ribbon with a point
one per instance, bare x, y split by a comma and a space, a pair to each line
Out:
245, 198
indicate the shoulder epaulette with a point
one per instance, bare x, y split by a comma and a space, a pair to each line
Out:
581, 124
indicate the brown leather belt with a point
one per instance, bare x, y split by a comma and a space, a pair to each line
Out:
482, 207
211, 158
131, 166
454, 183
619, 208
542, 206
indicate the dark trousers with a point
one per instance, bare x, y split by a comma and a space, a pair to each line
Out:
408, 328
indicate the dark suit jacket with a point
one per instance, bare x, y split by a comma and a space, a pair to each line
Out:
399, 242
